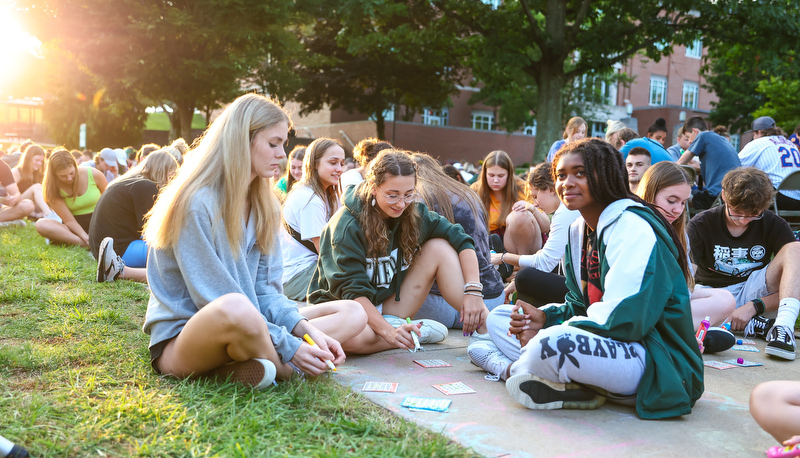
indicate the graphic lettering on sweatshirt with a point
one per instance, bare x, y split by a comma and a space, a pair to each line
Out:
381, 270
600, 347
738, 261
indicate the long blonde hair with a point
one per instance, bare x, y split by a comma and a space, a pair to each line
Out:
221, 161
435, 189
158, 167
311, 161
388, 163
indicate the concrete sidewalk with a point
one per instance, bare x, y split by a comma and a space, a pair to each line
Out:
493, 424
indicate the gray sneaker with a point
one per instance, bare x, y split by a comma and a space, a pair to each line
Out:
109, 264
431, 331
488, 357
13, 223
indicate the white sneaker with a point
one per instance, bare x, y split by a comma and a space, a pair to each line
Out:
54, 216
431, 331
475, 337
258, 373
109, 265
488, 357
13, 223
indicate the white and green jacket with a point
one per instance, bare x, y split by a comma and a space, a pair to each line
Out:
645, 299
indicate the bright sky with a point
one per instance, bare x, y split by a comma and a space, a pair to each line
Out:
14, 43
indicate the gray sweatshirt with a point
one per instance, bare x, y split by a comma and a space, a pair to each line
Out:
201, 268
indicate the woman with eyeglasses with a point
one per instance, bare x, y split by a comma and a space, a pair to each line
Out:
384, 250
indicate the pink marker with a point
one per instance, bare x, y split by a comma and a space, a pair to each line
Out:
783, 452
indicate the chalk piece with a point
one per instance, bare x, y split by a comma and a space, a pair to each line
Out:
454, 388
718, 365
739, 342
740, 360
382, 387
432, 363
746, 348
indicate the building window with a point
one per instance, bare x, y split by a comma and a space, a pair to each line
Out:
695, 50
658, 91
597, 129
530, 129
493, 3
388, 115
593, 88
736, 140
482, 120
691, 92
436, 117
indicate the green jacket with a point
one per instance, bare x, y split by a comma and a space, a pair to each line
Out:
645, 299
343, 270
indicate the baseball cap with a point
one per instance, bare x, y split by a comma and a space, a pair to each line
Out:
108, 156
763, 123
122, 157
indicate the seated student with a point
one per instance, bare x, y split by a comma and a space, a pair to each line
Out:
625, 331
364, 152
293, 173
106, 162
308, 207
384, 250
683, 141
658, 132
118, 218
637, 162
29, 174
773, 153
775, 406
504, 199
613, 131
667, 186
717, 157
460, 205
12, 207
72, 192
576, 130
535, 282
733, 246
216, 307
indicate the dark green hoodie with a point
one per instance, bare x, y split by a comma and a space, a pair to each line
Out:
343, 270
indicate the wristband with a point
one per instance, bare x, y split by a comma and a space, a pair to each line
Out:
475, 284
759, 305
502, 256
473, 293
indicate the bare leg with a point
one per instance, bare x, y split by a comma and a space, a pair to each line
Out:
19, 211
783, 272
523, 235
34, 193
58, 232
134, 273
775, 406
341, 320
227, 329
717, 304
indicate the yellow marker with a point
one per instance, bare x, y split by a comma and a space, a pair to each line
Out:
311, 342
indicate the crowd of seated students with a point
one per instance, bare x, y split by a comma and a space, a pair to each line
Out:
597, 246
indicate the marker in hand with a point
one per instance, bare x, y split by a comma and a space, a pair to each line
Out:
414, 336
311, 342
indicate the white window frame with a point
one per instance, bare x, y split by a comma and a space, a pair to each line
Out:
598, 129
529, 129
433, 117
483, 120
658, 91
695, 50
736, 140
690, 95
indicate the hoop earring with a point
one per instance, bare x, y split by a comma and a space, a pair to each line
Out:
373, 201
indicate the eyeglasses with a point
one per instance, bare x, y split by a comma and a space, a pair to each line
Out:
740, 218
394, 198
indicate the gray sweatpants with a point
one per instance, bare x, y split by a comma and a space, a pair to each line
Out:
565, 353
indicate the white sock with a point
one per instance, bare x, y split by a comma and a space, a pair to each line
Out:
788, 310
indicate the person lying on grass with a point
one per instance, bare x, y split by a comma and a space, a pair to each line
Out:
214, 267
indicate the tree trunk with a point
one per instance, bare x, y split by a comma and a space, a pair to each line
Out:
380, 125
174, 123
185, 114
549, 112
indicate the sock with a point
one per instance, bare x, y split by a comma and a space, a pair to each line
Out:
788, 310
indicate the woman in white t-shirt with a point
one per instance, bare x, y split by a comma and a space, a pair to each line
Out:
306, 210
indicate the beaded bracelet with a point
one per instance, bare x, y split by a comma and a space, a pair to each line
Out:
473, 293
476, 284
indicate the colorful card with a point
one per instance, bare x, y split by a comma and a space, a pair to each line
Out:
454, 388
383, 387
746, 348
718, 365
746, 341
432, 363
429, 404
745, 363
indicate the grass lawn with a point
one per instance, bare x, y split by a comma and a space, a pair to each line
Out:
160, 121
75, 380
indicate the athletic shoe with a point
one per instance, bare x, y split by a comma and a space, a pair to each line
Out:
758, 326
781, 343
537, 393
109, 265
488, 357
475, 337
717, 340
431, 331
13, 223
257, 373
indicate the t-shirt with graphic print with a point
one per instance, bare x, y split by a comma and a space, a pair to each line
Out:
590, 268
722, 259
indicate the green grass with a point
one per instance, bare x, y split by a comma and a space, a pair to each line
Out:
75, 380
160, 121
